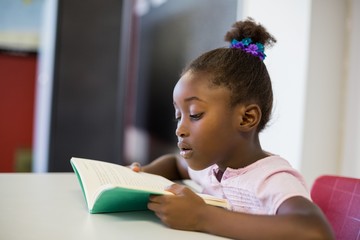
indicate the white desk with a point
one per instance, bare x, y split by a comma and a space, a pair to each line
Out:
51, 206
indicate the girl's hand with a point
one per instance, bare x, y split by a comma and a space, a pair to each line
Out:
180, 211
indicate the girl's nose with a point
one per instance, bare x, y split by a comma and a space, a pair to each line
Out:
181, 130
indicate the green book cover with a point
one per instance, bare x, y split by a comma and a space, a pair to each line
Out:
121, 199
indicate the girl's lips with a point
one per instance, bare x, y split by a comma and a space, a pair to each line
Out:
186, 154
185, 150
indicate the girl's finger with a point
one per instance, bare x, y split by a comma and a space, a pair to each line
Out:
135, 166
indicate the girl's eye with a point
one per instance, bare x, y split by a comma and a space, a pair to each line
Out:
177, 119
196, 116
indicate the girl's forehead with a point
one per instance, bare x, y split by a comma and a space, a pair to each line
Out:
194, 80
191, 83
199, 86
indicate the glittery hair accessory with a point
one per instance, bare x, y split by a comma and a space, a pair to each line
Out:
255, 49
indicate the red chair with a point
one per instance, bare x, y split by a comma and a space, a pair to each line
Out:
339, 199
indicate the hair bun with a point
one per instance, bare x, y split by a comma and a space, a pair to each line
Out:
250, 29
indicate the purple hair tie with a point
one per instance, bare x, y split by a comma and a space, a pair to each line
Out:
255, 49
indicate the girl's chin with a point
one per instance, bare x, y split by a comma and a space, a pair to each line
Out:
194, 165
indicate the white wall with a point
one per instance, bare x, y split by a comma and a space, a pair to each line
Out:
325, 89
350, 164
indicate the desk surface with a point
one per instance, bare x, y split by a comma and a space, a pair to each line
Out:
51, 206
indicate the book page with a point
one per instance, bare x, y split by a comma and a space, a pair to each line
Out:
123, 176
97, 175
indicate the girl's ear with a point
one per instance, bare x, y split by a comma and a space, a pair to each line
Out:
249, 117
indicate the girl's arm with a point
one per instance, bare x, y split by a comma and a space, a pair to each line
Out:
297, 218
170, 166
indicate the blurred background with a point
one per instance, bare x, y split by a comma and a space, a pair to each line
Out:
94, 79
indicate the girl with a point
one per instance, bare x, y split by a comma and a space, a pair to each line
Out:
222, 101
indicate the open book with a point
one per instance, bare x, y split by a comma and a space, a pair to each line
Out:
108, 187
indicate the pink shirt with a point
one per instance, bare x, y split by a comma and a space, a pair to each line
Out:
259, 188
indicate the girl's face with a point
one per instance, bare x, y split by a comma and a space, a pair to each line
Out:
206, 125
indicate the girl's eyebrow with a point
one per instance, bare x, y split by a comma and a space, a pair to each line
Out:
192, 98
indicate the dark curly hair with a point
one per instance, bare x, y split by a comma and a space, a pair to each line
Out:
243, 74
